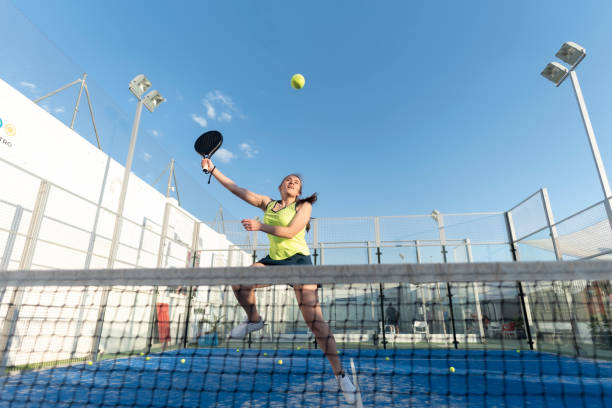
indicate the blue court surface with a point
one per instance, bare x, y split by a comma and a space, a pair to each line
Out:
248, 378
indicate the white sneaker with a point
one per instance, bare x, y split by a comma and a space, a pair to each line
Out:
240, 332
347, 388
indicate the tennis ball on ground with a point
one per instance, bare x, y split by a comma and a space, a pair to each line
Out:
387, 358
142, 354
182, 361
265, 354
237, 349
299, 348
452, 369
297, 81
147, 358
518, 351
90, 362
280, 361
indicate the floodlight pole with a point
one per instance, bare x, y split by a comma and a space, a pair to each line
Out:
601, 171
124, 186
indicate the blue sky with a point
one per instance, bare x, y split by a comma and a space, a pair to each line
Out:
408, 106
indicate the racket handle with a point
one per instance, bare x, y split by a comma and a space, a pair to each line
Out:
205, 169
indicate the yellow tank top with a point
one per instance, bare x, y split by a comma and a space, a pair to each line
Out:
283, 248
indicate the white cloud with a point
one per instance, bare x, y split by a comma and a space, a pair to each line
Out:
156, 133
215, 102
248, 150
224, 155
60, 109
28, 85
225, 117
210, 110
199, 120
146, 156
218, 96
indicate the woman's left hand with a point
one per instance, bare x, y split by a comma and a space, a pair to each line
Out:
251, 225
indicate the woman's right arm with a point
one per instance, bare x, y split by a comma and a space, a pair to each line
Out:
257, 200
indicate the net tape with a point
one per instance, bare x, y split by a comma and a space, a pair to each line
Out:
325, 274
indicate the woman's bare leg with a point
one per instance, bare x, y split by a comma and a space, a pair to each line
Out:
308, 302
245, 294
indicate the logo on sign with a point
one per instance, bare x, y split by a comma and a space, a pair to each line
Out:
9, 130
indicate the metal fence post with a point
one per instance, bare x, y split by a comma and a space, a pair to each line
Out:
470, 258
381, 287
439, 218
559, 256
160, 261
7, 328
527, 318
194, 263
315, 238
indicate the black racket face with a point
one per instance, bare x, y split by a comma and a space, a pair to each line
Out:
208, 143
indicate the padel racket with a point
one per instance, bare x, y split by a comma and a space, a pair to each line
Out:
207, 144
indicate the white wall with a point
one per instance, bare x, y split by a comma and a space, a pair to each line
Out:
77, 229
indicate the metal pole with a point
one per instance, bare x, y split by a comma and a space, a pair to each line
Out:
116, 232
381, 287
194, 263
470, 258
559, 256
57, 90
93, 120
440, 221
76, 107
522, 296
169, 186
160, 261
124, 187
601, 171
9, 324
551, 224
315, 238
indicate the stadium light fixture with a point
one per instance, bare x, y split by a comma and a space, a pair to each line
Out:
152, 100
555, 72
572, 54
435, 214
139, 85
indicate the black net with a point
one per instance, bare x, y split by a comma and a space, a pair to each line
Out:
498, 334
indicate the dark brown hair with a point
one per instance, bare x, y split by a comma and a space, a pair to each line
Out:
310, 199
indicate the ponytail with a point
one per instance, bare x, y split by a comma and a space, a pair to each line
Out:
310, 199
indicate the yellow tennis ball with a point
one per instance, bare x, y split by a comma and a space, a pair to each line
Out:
142, 354
147, 358
280, 361
90, 362
182, 360
265, 354
298, 81
518, 351
452, 369
298, 347
387, 358
237, 349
